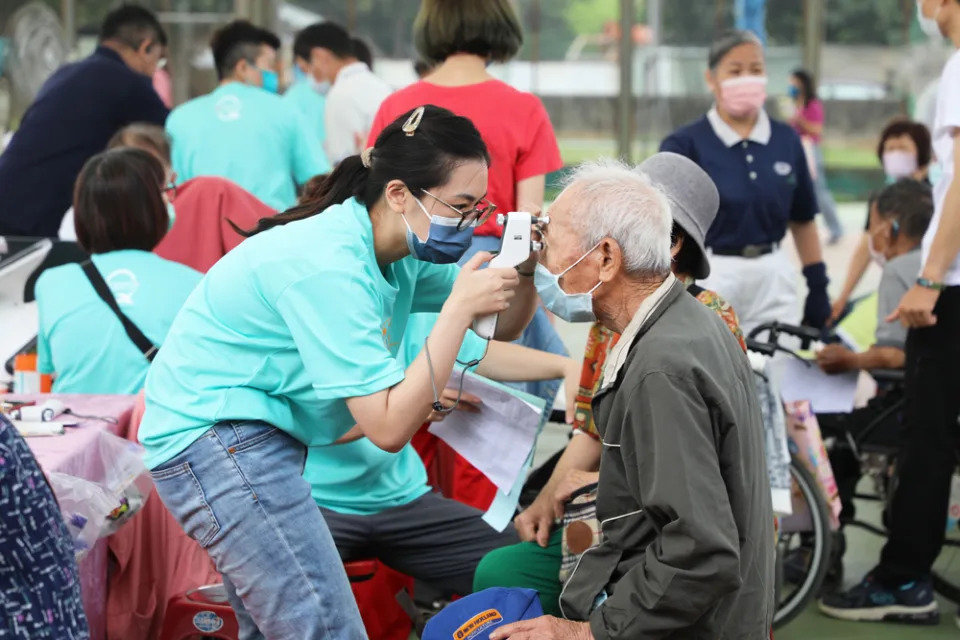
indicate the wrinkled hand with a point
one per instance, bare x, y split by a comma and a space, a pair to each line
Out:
916, 308
835, 358
482, 292
544, 628
535, 522
468, 402
571, 387
571, 483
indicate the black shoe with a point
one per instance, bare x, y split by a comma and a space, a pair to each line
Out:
911, 603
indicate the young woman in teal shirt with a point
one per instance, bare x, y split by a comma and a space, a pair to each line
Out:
291, 341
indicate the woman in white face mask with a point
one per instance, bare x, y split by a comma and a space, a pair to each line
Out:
905, 151
761, 172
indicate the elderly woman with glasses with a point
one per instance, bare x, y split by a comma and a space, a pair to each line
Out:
683, 499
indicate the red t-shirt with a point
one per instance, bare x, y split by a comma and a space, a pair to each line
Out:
513, 124
201, 233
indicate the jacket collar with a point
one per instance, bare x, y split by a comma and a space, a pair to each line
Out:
648, 313
760, 134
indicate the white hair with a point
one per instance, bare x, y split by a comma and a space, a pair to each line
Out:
616, 201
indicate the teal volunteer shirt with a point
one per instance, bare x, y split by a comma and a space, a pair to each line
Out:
82, 341
310, 105
362, 479
251, 137
284, 329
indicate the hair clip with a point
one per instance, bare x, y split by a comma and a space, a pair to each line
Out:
366, 157
410, 126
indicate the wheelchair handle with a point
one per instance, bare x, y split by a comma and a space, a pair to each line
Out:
807, 335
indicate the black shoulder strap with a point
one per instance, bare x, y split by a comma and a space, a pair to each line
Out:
694, 289
147, 348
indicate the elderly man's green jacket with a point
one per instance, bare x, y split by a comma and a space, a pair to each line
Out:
687, 545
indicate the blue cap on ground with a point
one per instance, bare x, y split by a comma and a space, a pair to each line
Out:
477, 615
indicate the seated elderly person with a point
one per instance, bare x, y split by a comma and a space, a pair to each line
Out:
687, 543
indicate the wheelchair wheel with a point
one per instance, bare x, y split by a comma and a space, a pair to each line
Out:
803, 547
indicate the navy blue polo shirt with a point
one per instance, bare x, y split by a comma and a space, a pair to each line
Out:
764, 181
72, 118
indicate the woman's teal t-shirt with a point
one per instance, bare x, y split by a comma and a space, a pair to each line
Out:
82, 341
284, 329
362, 479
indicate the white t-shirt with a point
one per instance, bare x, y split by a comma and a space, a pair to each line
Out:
947, 121
352, 103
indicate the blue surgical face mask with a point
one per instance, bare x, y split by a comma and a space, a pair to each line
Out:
572, 307
321, 87
270, 80
793, 91
445, 244
171, 215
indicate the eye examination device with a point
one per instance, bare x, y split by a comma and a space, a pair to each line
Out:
515, 248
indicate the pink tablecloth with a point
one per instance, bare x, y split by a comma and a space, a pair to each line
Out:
74, 453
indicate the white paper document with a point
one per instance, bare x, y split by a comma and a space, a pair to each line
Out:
497, 440
802, 381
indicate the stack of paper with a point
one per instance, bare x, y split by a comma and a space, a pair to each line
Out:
498, 440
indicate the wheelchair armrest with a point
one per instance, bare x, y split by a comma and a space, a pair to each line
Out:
888, 375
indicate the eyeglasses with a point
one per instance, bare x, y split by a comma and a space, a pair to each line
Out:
473, 217
171, 190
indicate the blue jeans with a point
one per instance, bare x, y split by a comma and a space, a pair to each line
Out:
539, 334
239, 492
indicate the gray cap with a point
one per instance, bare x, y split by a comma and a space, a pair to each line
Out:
693, 197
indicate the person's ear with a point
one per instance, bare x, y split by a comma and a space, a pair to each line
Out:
611, 258
676, 243
709, 77
396, 194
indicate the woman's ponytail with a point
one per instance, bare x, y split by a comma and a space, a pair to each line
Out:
346, 181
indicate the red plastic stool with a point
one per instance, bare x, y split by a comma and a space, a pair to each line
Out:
201, 612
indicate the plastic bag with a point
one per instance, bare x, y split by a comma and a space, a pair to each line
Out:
804, 431
116, 487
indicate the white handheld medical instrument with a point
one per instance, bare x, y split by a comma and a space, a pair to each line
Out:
46, 412
515, 248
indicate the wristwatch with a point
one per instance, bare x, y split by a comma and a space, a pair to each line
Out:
930, 284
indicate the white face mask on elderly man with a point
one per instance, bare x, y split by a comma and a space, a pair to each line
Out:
572, 307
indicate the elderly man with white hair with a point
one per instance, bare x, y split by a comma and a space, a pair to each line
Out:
687, 542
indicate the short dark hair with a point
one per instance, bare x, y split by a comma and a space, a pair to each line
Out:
362, 52
132, 25
422, 68
487, 28
917, 131
146, 136
807, 83
687, 260
323, 35
423, 159
236, 41
727, 42
118, 202
909, 203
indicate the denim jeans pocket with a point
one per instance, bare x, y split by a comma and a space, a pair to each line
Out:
182, 494
246, 435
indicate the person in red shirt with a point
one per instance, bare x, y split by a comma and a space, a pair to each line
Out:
462, 37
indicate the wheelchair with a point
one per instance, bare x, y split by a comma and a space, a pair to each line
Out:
873, 447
